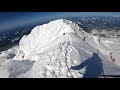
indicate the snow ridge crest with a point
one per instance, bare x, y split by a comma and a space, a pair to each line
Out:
42, 36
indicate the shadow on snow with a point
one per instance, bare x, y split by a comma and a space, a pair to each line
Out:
94, 67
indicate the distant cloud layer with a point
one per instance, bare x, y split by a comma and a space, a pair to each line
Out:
9, 20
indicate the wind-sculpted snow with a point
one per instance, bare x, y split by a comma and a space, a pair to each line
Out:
41, 37
54, 63
59, 49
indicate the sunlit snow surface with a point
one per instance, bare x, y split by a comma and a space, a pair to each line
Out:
50, 51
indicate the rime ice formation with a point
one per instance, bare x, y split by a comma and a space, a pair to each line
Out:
50, 50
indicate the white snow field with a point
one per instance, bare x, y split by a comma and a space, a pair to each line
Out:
60, 49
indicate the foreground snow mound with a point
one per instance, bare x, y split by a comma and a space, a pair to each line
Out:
59, 49
55, 63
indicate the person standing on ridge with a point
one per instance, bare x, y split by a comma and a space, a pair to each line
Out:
111, 57
84, 38
99, 40
63, 33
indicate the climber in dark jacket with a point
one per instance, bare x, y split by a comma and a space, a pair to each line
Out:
84, 38
63, 33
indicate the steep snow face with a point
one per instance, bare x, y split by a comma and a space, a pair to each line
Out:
43, 36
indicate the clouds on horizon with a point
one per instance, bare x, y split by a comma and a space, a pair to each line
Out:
9, 20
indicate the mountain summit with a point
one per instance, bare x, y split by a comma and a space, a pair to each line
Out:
61, 49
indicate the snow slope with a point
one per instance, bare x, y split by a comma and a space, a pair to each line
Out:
113, 45
42, 36
58, 50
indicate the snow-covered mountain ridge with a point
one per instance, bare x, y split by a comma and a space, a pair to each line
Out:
52, 50
42, 37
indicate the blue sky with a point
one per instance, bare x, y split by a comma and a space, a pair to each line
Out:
9, 20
